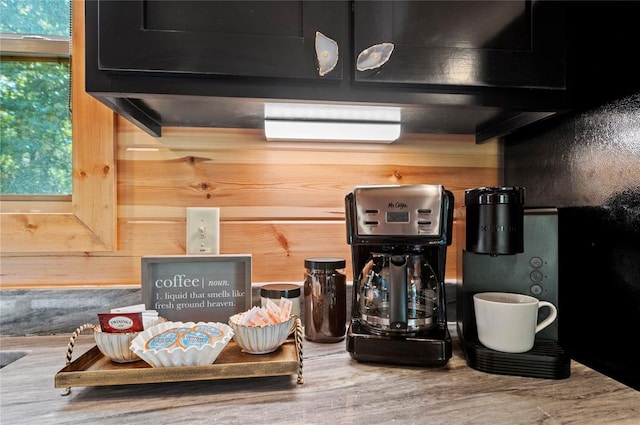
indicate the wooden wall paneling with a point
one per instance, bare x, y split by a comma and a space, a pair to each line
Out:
226, 144
232, 175
286, 186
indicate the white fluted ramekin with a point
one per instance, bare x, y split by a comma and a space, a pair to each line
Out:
260, 339
115, 346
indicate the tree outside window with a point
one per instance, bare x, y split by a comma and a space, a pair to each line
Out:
35, 122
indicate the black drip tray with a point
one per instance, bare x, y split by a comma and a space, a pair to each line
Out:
545, 360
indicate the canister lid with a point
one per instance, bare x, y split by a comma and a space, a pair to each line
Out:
280, 290
494, 195
325, 263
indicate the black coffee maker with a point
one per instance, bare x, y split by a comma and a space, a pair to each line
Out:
508, 249
399, 236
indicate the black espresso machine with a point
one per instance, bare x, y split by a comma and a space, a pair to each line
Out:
509, 249
399, 236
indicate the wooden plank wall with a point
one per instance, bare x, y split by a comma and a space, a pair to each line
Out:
280, 202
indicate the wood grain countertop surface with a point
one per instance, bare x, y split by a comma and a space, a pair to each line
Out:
336, 390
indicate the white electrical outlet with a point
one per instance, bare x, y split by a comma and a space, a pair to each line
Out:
203, 230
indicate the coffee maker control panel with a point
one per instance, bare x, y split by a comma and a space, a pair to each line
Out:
410, 210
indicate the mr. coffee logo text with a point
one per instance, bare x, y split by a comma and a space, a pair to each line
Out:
397, 205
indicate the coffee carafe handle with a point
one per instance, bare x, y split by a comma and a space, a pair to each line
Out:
398, 292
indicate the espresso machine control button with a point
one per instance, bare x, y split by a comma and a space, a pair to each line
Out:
536, 289
536, 276
536, 262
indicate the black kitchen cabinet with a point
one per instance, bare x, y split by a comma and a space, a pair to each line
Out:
498, 44
224, 38
453, 69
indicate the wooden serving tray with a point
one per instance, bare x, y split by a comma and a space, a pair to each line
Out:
95, 369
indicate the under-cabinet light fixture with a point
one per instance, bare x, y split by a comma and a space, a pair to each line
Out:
323, 122
134, 149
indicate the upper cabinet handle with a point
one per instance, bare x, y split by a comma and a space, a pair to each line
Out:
326, 52
374, 56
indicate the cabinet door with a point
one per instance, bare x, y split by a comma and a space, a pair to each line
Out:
226, 38
507, 44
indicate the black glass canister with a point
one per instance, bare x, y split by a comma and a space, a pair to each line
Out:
495, 220
325, 299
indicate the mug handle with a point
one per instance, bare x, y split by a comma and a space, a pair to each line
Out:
549, 320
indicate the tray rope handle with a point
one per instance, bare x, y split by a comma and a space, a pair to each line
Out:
72, 343
298, 340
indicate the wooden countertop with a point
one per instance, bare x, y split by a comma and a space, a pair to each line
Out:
336, 390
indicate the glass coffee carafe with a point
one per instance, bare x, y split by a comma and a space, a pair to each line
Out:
398, 293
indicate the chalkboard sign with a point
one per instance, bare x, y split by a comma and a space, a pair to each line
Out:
194, 288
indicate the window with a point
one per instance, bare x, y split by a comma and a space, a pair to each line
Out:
88, 222
35, 122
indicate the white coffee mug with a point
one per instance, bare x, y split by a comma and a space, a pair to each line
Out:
508, 322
